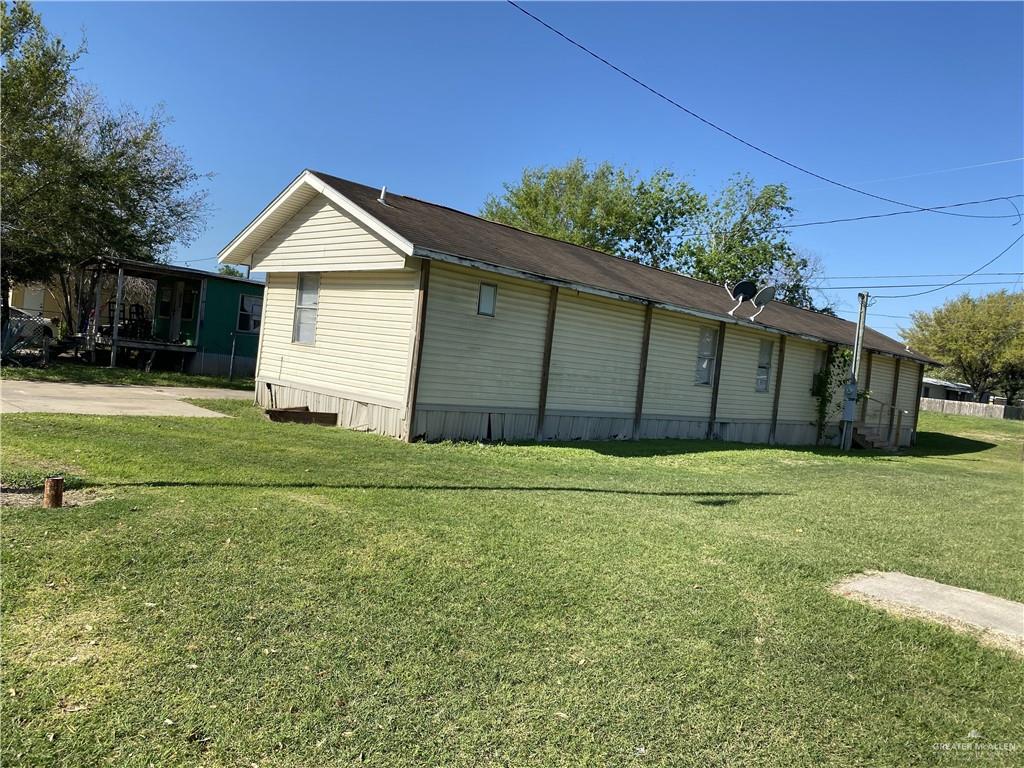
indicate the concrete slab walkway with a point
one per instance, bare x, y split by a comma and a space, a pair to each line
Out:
995, 620
109, 399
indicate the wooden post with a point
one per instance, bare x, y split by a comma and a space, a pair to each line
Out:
867, 385
892, 401
545, 369
53, 492
719, 349
778, 389
118, 298
231, 361
97, 295
417, 352
642, 375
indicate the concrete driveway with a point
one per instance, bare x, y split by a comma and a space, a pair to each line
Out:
109, 399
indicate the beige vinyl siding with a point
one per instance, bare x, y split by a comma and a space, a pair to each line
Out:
669, 389
796, 402
321, 238
363, 329
906, 396
882, 372
595, 355
737, 398
474, 360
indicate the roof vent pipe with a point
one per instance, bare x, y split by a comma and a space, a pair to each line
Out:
383, 199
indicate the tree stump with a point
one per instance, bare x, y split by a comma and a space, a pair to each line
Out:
53, 492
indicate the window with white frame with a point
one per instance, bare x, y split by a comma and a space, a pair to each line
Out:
307, 300
487, 300
764, 366
706, 346
250, 309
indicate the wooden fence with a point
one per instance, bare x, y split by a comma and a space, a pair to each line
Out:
964, 408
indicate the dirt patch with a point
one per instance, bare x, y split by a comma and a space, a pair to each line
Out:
33, 497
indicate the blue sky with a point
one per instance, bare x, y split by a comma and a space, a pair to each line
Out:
447, 101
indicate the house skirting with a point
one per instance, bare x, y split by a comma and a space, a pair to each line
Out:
210, 364
434, 423
353, 412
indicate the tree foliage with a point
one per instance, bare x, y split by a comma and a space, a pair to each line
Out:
79, 179
662, 221
229, 271
980, 341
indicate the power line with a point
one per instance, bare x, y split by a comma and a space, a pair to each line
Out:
874, 314
939, 286
956, 282
732, 135
780, 227
934, 208
947, 274
936, 172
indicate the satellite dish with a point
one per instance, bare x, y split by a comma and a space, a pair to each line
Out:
744, 290
762, 299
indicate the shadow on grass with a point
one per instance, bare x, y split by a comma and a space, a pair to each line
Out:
944, 444
709, 498
928, 444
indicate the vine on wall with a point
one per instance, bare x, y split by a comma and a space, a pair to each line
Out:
829, 383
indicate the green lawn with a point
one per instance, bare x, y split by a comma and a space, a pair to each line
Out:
250, 593
80, 373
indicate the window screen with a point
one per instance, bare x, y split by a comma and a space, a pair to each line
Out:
487, 300
188, 304
705, 369
307, 299
250, 309
164, 302
764, 366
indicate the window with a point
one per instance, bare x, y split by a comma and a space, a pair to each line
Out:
487, 300
764, 366
164, 304
706, 356
307, 299
188, 304
250, 308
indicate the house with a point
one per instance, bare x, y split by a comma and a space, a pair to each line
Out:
422, 322
194, 320
938, 389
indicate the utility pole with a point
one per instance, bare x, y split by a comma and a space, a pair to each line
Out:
850, 390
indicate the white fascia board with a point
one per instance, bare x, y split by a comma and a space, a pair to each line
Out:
238, 251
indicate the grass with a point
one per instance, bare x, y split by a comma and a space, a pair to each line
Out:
80, 373
249, 593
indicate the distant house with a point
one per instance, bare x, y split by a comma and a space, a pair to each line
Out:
422, 322
937, 389
198, 321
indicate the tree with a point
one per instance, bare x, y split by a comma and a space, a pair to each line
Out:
741, 235
80, 181
605, 208
979, 340
229, 271
663, 222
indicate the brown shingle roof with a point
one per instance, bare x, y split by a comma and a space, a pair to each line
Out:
445, 230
